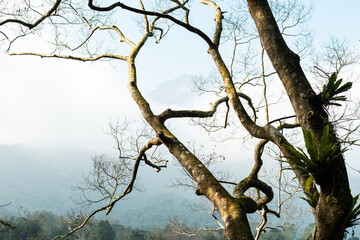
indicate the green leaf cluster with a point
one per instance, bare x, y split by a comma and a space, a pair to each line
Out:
355, 212
317, 161
332, 89
311, 199
318, 155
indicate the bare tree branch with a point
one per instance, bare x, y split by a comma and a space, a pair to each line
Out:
149, 13
83, 59
126, 191
51, 11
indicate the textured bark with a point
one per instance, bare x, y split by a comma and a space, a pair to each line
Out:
334, 204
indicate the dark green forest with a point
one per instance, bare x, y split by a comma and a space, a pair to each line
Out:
43, 225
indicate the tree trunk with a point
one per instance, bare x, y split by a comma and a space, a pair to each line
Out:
333, 208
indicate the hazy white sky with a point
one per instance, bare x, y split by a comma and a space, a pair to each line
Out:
57, 102
336, 18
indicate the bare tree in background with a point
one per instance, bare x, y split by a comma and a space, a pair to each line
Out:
73, 31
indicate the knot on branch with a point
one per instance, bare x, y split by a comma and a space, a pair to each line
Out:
198, 191
309, 115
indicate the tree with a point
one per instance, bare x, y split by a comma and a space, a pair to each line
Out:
103, 230
49, 223
30, 228
321, 172
138, 234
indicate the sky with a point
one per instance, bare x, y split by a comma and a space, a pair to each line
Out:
335, 18
51, 103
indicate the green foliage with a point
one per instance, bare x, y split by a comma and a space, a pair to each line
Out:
28, 229
102, 230
42, 225
317, 161
355, 212
312, 200
309, 183
332, 89
321, 154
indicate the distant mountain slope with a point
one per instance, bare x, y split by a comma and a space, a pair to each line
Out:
38, 180
178, 91
148, 210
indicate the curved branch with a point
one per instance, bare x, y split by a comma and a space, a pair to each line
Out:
93, 30
253, 181
7, 204
247, 183
152, 13
32, 25
257, 158
218, 21
283, 118
226, 114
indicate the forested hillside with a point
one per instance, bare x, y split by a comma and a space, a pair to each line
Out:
42, 225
